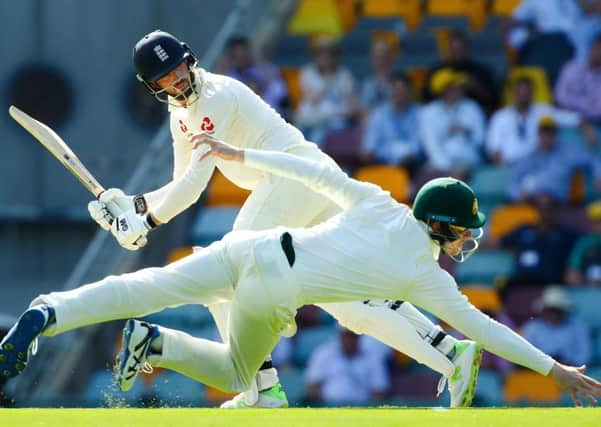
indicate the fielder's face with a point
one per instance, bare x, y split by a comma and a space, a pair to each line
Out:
466, 243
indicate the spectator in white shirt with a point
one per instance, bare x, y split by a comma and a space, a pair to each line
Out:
391, 136
375, 89
451, 127
328, 99
513, 130
556, 332
579, 84
345, 372
543, 16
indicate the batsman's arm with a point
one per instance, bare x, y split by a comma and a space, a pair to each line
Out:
185, 190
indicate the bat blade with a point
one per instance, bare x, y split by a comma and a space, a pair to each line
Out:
59, 149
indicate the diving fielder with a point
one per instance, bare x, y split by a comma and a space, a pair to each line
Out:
375, 248
228, 110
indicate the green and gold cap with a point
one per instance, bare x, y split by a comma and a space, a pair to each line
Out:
448, 200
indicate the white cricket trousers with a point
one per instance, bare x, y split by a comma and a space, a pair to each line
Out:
277, 201
263, 301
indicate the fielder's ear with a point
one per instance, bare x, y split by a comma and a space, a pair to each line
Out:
435, 226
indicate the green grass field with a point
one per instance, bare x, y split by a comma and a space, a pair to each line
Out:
372, 417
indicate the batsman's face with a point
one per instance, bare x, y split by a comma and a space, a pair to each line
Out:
176, 82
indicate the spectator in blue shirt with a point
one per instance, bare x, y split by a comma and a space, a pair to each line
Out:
549, 169
343, 371
541, 250
556, 332
392, 134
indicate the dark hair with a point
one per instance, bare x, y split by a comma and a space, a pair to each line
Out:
402, 76
523, 79
237, 41
456, 33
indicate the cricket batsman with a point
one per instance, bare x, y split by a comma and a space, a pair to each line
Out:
375, 247
200, 101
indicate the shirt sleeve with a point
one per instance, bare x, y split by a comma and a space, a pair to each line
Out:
378, 376
185, 190
436, 291
317, 366
495, 132
323, 178
182, 152
430, 133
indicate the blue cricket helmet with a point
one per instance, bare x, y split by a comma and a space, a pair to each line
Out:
157, 54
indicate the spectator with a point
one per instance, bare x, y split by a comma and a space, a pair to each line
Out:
479, 85
263, 78
556, 332
543, 16
587, 26
343, 372
451, 127
584, 264
391, 135
579, 84
541, 250
328, 92
513, 130
375, 89
550, 168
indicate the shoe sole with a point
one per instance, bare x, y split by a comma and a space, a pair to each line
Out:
15, 345
471, 388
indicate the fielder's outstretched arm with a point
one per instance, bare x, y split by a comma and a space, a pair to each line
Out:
325, 179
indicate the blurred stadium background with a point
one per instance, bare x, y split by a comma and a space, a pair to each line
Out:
68, 63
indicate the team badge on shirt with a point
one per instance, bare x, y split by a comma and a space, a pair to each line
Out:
207, 125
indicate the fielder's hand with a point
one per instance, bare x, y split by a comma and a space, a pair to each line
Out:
112, 203
130, 230
576, 383
216, 148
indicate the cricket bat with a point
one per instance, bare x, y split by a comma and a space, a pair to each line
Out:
59, 149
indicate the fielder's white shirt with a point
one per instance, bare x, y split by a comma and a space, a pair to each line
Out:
375, 248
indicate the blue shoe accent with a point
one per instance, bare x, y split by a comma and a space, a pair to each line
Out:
14, 348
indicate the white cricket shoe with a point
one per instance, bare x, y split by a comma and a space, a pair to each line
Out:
273, 397
132, 358
462, 385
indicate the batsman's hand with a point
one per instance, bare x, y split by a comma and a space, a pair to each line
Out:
112, 203
130, 230
576, 383
206, 145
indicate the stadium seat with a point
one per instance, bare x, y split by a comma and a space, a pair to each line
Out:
489, 389
409, 10
344, 146
530, 387
293, 382
490, 183
292, 78
174, 389
542, 89
548, 51
504, 219
179, 253
485, 267
573, 217
307, 340
504, 7
518, 300
223, 192
483, 298
418, 76
317, 17
586, 301
212, 223
391, 178
475, 10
